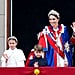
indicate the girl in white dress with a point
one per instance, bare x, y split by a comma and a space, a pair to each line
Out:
13, 57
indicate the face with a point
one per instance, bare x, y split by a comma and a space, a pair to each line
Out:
73, 24
53, 21
12, 44
38, 54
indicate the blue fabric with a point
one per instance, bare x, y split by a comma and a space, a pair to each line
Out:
69, 57
45, 49
50, 56
41, 62
50, 51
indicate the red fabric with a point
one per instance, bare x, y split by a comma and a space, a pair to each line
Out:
43, 71
55, 57
42, 41
73, 40
52, 43
28, 59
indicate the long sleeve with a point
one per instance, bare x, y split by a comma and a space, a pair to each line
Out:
3, 62
20, 59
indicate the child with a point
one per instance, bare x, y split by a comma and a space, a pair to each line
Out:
13, 57
38, 61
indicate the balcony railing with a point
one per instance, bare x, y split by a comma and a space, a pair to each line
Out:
37, 71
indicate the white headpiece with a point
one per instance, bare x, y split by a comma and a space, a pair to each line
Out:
12, 37
53, 12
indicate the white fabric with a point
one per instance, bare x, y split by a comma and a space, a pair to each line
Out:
60, 60
16, 58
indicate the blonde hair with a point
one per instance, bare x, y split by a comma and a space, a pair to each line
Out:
38, 47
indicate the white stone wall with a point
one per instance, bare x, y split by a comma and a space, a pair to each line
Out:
2, 27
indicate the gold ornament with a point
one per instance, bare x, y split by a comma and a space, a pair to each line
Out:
36, 71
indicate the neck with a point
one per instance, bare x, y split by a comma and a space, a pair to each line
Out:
55, 29
55, 26
12, 48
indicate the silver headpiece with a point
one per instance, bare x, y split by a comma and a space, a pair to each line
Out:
12, 37
53, 12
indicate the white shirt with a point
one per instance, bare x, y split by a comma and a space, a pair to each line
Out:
16, 58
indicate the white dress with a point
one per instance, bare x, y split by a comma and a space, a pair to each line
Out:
16, 58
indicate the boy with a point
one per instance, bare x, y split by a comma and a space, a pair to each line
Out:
13, 57
38, 61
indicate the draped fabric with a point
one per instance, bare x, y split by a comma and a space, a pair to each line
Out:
53, 45
30, 56
72, 40
16, 58
43, 71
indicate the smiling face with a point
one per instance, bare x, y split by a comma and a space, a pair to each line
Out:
73, 24
12, 44
53, 21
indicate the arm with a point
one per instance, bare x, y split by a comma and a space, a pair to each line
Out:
4, 59
20, 58
3, 62
73, 35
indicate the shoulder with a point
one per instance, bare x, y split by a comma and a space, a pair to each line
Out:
44, 31
19, 51
64, 28
33, 60
6, 51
